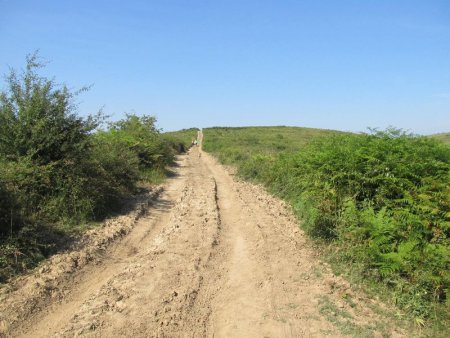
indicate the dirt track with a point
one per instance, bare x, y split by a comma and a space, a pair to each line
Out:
212, 257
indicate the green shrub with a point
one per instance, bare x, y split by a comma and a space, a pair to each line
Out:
7, 206
144, 139
385, 196
44, 146
117, 160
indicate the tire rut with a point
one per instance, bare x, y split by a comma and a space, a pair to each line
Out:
155, 295
213, 257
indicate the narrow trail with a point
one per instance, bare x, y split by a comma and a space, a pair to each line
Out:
212, 257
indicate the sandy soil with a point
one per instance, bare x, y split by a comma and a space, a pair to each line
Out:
211, 256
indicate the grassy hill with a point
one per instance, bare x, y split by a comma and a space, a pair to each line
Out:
444, 137
238, 144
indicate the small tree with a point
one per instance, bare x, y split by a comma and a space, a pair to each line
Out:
45, 142
38, 118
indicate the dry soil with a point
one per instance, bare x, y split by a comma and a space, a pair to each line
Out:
206, 256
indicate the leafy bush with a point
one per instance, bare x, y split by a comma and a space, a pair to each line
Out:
140, 137
7, 206
117, 161
143, 139
384, 197
43, 145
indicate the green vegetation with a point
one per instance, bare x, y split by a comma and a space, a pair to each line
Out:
239, 145
58, 169
444, 137
344, 321
181, 138
380, 201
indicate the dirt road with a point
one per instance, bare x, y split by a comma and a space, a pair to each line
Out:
212, 257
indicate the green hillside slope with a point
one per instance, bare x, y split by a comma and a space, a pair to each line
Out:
444, 137
237, 145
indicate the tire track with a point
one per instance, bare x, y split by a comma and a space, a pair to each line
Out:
213, 257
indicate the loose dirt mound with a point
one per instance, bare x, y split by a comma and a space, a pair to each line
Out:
213, 257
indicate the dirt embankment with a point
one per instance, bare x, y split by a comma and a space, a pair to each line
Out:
212, 257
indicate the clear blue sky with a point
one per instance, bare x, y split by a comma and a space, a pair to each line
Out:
341, 64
